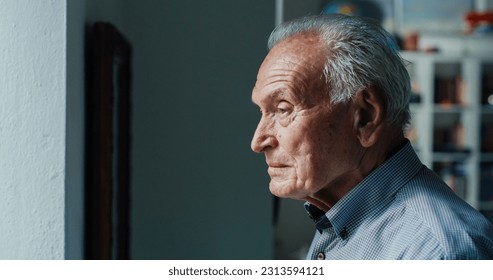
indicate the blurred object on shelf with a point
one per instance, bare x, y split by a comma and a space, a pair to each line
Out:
430, 49
363, 8
341, 7
411, 41
479, 22
450, 91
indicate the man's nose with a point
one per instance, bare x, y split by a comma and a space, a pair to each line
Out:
263, 138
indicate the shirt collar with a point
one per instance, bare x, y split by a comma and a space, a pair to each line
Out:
377, 187
317, 215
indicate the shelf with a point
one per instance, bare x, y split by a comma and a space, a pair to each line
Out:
435, 57
451, 157
452, 123
451, 109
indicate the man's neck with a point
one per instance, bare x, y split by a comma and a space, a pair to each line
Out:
373, 157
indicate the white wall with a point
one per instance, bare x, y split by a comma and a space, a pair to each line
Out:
32, 129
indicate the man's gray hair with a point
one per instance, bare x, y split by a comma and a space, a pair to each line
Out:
360, 54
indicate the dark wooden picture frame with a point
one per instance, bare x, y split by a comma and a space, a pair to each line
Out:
108, 72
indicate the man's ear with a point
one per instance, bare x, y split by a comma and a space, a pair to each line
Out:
369, 114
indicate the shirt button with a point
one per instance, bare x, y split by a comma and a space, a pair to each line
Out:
321, 256
343, 233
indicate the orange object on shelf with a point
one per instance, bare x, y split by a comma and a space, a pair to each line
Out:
474, 19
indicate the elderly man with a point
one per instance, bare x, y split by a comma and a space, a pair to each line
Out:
333, 95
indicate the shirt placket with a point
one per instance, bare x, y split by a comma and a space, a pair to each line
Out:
327, 240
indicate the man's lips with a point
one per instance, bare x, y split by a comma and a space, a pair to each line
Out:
276, 165
277, 170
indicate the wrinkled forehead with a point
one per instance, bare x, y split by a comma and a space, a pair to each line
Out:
297, 61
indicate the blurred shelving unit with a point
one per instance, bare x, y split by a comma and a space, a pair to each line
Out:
452, 127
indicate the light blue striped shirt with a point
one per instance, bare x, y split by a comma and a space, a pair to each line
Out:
402, 210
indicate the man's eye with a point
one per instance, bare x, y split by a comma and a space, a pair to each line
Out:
283, 108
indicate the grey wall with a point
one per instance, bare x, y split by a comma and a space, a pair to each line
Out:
105, 10
296, 8
74, 160
198, 191
80, 14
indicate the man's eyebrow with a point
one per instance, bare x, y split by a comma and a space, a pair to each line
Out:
278, 93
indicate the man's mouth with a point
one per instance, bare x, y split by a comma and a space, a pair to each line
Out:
277, 165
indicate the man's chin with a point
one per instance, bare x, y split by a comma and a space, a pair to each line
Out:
286, 189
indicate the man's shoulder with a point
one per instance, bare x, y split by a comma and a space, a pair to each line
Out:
443, 219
